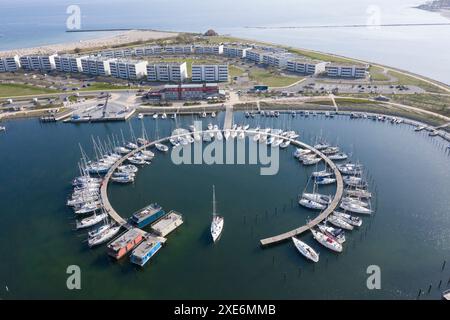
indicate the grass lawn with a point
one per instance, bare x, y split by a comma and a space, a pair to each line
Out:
407, 80
271, 78
435, 103
99, 86
15, 89
376, 74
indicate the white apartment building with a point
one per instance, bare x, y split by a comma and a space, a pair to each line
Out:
254, 55
235, 51
38, 62
276, 59
96, 66
167, 72
306, 66
210, 73
118, 53
128, 69
208, 49
346, 70
9, 64
179, 49
68, 63
148, 51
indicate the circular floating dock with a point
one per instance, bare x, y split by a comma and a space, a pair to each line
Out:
264, 242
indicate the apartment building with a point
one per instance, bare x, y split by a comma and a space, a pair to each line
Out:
68, 63
9, 64
254, 55
38, 62
128, 69
179, 49
344, 70
235, 51
208, 49
305, 66
96, 66
210, 73
167, 72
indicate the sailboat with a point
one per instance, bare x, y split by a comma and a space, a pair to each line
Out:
327, 241
217, 221
306, 250
161, 147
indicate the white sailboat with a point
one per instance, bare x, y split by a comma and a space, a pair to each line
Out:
327, 241
217, 221
306, 250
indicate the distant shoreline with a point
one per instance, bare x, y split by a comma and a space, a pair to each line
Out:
122, 38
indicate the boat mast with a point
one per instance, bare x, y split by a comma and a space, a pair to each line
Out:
214, 200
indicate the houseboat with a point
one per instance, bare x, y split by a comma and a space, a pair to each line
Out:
125, 243
147, 215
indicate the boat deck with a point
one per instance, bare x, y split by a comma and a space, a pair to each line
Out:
168, 223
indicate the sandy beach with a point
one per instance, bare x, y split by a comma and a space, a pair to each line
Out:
107, 41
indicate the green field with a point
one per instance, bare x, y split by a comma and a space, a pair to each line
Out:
376, 74
15, 89
404, 79
104, 86
272, 78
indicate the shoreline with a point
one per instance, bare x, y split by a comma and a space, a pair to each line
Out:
121, 38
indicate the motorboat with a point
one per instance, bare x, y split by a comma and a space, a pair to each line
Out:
317, 197
121, 150
128, 168
140, 116
285, 144
270, 140
91, 221
322, 174
327, 241
338, 156
355, 208
311, 204
123, 179
306, 250
161, 147
164, 116
103, 236
354, 221
321, 146
155, 116
311, 161
334, 232
325, 180
355, 201
358, 193
338, 222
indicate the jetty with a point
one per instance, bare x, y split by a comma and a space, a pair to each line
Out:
168, 226
228, 122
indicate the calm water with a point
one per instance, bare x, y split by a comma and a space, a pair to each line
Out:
408, 237
27, 23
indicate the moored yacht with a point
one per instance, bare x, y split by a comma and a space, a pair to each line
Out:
217, 221
327, 241
338, 222
306, 250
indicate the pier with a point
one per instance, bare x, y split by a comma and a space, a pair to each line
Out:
228, 122
322, 216
264, 242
